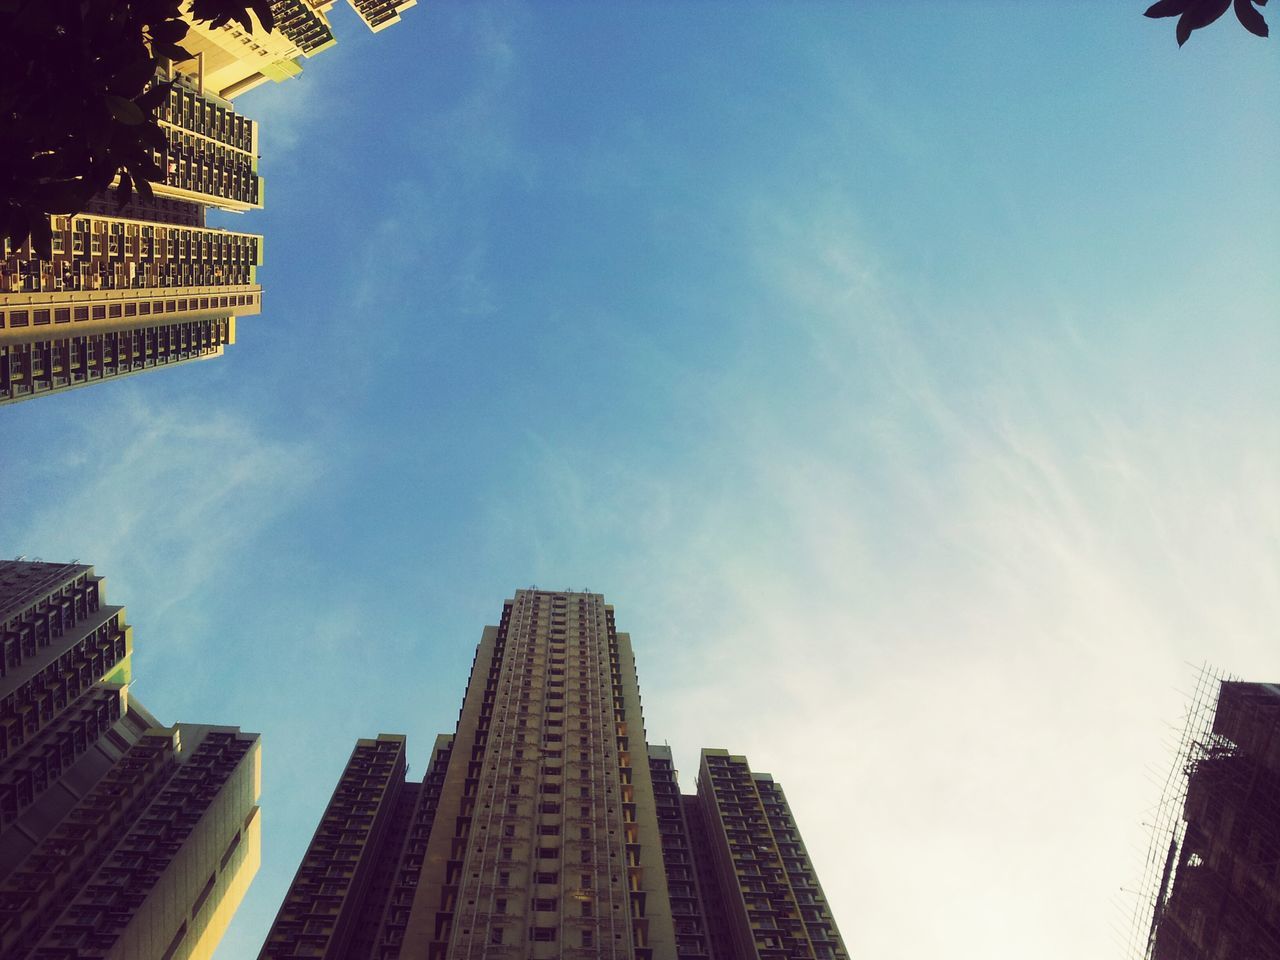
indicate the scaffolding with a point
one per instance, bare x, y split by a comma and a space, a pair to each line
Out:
1211, 884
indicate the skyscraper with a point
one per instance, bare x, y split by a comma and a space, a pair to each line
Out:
546, 826
228, 61
120, 838
131, 290
1219, 890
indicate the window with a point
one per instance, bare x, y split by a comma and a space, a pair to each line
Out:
500, 905
587, 937
543, 934
588, 908
545, 877
544, 903
495, 934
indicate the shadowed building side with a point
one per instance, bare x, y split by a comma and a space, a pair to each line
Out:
774, 905
1222, 896
120, 838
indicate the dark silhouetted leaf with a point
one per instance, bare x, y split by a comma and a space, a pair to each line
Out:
154, 96
1168, 8
132, 74
41, 237
174, 52
1250, 18
268, 18
126, 111
169, 31
124, 190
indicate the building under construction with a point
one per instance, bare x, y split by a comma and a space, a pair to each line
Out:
1214, 874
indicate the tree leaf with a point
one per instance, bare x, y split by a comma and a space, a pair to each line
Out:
126, 111
144, 189
266, 15
169, 31
1168, 8
137, 67
1250, 18
41, 236
173, 52
124, 191
154, 96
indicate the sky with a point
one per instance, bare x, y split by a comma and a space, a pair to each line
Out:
903, 373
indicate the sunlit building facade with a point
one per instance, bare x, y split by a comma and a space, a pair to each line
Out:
229, 60
120, 837
126, 290
547, 826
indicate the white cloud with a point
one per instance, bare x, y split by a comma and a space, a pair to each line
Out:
167, 496
947, 597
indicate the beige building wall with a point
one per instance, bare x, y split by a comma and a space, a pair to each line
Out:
545, 843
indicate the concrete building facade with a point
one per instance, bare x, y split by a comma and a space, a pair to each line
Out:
229, 61
547, 826
120, 837
1219, 898
135, 289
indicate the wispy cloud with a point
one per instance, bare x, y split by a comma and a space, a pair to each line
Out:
167, 498
946, 593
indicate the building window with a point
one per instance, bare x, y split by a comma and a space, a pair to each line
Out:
587, 938
543, 934
495, 934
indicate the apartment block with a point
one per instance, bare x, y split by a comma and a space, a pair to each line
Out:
1219, 896
129, 290
229, 61
776, 908
547, 826
119, 837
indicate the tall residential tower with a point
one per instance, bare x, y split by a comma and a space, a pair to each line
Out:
150, 285
120, 838
546, 826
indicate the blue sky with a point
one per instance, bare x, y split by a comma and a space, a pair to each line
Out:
902, 372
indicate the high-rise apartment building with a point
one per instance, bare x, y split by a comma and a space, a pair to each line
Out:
228, 61
547, 826
120, 838
130, 290
1219, 890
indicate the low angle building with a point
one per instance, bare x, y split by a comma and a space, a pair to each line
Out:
130, 290
546, 826
120, 837
1219, 893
